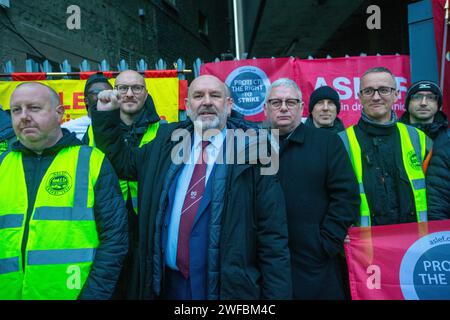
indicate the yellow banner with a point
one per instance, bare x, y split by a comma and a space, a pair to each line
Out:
164, 92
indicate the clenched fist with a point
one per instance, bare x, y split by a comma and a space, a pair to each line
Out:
108, 100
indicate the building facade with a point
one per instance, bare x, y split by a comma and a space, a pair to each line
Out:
113, 30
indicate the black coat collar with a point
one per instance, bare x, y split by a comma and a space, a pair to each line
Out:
298, 135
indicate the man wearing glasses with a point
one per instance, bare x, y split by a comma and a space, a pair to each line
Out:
423, 106
139, 123
321, 194
137, 110
387, 156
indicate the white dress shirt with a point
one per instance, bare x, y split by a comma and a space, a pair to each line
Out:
212, 150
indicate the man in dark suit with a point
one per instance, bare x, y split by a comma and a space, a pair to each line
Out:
321, 193
207, 229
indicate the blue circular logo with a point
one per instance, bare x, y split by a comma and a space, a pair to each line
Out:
425, 268
248, 86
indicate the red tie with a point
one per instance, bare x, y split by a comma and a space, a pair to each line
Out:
191, 203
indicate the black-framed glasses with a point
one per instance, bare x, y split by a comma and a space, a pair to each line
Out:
94, 93
420, 96
277, 103
382, 91
135, 88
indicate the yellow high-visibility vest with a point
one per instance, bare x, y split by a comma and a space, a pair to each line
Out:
62, 237
125, 185
413, 145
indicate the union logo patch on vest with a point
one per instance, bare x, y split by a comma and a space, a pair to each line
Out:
414, 161
58, 183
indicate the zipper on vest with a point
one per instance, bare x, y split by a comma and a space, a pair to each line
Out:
38, 161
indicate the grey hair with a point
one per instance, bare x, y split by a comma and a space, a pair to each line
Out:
283, 82
227, 91
378, 70
54, 96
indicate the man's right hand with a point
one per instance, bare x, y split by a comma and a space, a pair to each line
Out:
108, 100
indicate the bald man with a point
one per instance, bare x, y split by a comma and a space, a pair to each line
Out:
206, 230
139, 123
137, 110
63, 227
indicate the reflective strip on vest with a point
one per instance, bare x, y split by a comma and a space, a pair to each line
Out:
64, 213
44, 257
423, 216
364, 221
11, 221
9, 265
353, 149
361, 188
82, 178
413, 145
133, 187
418, 183
135, 203
416, 142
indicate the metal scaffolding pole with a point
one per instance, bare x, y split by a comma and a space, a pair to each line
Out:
237, 17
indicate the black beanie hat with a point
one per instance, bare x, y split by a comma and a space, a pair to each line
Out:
96, 77
322, 93
423, 85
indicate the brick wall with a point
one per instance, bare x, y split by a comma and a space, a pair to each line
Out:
107, 26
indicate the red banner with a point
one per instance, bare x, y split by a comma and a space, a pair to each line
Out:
343, 74
28, 76
249, 80
405, 261
441, 30
183, 91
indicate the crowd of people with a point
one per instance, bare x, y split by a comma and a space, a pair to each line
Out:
106, 213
